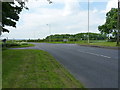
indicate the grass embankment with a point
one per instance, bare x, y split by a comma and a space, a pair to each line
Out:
10, 44
108, 44
92, 42
98, 43
34, 69
27, 45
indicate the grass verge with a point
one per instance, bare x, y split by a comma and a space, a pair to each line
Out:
108, 44
18, 46
27, 45
92, 42
35, 69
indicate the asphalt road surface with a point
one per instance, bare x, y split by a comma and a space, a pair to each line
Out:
94, 67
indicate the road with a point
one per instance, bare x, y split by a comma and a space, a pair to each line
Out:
94, 67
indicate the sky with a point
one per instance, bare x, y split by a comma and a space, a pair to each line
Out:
60, 17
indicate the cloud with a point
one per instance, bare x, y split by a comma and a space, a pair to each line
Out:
68, 18
111, 4
71, 8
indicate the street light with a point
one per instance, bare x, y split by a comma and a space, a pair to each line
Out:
49, 26
118, 23
88, 22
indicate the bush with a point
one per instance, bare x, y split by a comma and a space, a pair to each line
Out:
23, 43
10, 44
112, 39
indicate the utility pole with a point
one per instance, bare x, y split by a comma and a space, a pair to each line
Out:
118, 24
88, 23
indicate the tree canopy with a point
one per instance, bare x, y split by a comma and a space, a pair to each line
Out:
10, 13
110, 26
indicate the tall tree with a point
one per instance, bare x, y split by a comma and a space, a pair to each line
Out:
110, 26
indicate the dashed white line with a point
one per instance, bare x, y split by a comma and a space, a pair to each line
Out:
94, 54
105, 56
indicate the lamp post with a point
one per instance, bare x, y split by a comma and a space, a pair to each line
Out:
118, 23
88, 22
49, 26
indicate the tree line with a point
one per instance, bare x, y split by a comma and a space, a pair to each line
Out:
76, 37
71, 37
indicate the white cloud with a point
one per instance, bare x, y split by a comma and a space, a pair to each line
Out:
71, 8
111, 4
68, 19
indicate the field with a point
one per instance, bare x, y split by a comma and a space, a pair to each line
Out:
34, 69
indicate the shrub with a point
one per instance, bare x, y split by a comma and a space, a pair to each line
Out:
23, 43
11, 44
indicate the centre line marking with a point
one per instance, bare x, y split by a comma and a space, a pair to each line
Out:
94, 54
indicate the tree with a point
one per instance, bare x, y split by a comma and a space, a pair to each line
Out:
110, 26
10, 13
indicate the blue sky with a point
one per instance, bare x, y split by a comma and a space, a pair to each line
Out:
64, 17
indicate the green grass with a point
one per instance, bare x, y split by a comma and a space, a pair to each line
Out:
10, 44
109, 44
99, 43
92, 42
28, 45
34, 69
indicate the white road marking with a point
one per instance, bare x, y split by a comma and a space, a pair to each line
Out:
94, 54
105, 56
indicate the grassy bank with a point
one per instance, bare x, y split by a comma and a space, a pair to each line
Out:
99, 43
92, 42
34, 69
10, 44
20, 46
108, 44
